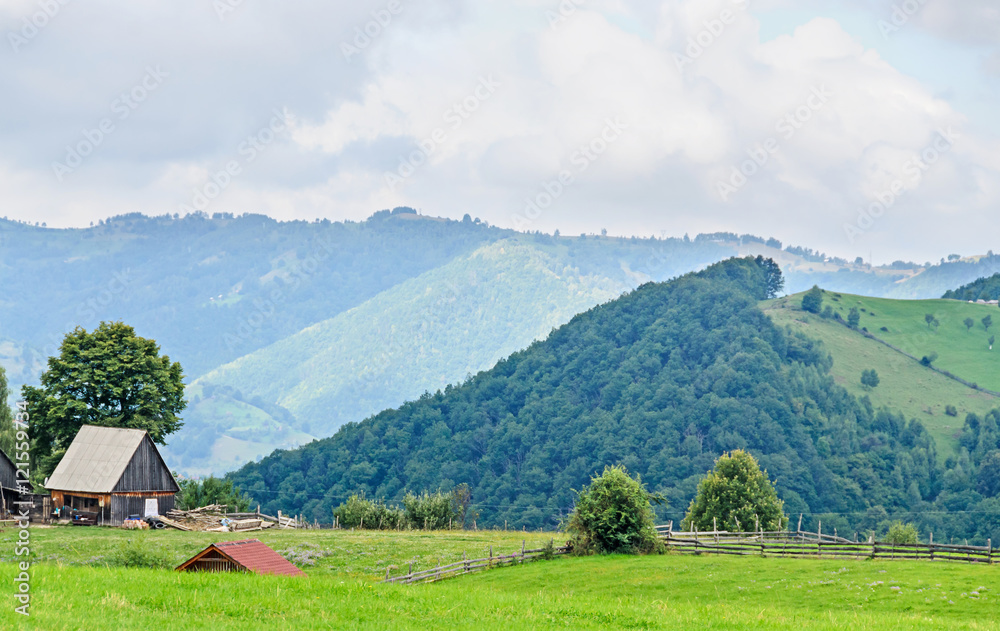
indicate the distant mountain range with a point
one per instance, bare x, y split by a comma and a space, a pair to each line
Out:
287, 330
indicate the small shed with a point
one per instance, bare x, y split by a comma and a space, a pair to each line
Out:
111, 473
9, 492
248, 555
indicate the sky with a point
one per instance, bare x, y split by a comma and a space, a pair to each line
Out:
858, 127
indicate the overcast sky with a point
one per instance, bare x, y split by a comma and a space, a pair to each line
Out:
845, 126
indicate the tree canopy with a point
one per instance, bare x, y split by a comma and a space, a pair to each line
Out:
869, 378
736, 496
614, 514
109, 377
813, 300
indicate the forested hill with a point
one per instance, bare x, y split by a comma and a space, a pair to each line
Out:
663, 380
982, 289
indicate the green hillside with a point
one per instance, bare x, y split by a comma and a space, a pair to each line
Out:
421, 335
906, 385
430, 331
663, 379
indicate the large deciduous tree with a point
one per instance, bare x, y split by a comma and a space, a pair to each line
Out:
110, 377
736, 495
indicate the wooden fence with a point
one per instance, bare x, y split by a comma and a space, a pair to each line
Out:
817, 544
468, 566
797, 543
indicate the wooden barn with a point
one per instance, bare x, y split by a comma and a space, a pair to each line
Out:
109, 473
248, 555
8, 486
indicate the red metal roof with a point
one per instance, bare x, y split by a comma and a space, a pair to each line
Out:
255, 556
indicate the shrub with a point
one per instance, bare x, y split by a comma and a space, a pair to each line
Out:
358, 512
614, 515
138, 552
736, 494
430, 511
900, 533
951, 410
813, 300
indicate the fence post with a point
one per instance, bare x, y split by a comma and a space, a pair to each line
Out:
715, 527
931, 545
800, 524
989, 547
491, 557
522, 551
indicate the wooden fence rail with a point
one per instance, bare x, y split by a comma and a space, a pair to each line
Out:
468, 566
814, 544
762, 543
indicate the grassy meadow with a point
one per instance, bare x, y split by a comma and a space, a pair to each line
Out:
905, 384
72, 590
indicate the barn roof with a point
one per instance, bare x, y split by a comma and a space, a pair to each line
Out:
96, 459
252, 554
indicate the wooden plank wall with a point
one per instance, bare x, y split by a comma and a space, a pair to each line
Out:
8, 477
146, 471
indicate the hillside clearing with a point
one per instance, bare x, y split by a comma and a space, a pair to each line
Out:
905, 384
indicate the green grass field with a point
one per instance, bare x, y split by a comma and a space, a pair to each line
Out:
906, 385
611, 592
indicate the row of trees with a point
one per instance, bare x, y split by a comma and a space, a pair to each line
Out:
425, 511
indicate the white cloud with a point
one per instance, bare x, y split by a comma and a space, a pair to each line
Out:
554, 88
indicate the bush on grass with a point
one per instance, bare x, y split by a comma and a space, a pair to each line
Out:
614, 515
